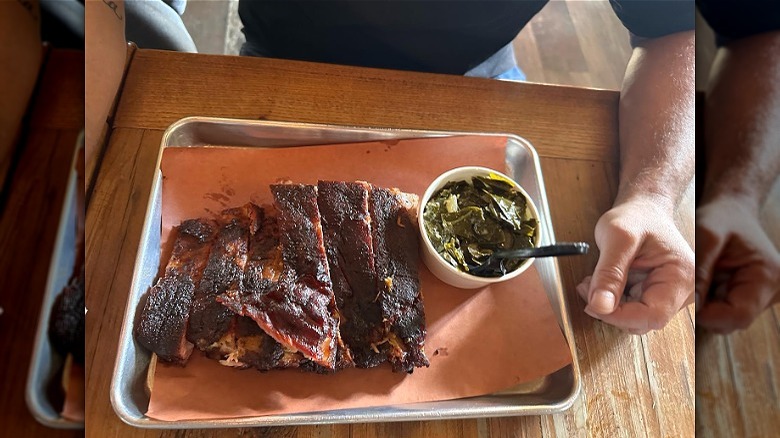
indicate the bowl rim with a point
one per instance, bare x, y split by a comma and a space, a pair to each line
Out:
448, 177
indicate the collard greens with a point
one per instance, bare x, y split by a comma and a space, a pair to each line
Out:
468, 221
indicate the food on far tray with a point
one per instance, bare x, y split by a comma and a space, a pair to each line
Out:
468, 220
65, 330
324, 279
66, 322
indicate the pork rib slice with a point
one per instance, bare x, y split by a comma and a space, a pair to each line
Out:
395, 242
162, 325
298, 310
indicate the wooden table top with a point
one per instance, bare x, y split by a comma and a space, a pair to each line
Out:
28, 227
632, 385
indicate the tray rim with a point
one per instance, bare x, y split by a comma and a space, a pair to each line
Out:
32, 396
314, 418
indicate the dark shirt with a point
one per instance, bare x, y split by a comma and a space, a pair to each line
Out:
433, 36
733, 20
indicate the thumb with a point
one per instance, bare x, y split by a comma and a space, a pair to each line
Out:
618, 249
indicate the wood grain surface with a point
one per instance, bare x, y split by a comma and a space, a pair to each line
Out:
267, 89
574, 42
632, 386
28, 226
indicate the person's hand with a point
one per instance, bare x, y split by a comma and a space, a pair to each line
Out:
738, 267
645, 272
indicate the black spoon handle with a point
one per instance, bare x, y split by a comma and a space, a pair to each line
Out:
559, 249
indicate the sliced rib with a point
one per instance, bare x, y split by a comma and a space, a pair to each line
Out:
212, 325
395, 243
162, 325
346, 225
299, 310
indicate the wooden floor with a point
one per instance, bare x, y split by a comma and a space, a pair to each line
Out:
573, 42
214, 26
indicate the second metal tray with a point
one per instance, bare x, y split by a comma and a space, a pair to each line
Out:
551, 394
47, 363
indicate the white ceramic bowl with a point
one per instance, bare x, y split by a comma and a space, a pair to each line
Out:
440, 267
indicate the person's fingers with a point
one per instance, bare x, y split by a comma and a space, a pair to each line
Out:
719, 286
582, 289
665, 292
639, 318
690, 293
709, 246
636, 276
618, 246
633, 285
750, 293
634, 291
721, 318
632, 317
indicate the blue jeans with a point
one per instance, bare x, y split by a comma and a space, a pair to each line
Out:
502, 58
513, 74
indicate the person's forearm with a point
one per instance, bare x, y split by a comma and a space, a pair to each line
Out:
657, 105
105, 63
20, 58
742, 120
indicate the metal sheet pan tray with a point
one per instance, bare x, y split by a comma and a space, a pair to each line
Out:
551, 394
46, 364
